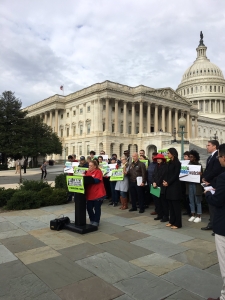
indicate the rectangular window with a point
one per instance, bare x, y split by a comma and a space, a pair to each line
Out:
121, 128
67, 115
137, 130
192, 90
67, 151
214, 88
61, 116
80, 150
61, 132
200, 88
74, 130
88, 128
121, 110
74, 113
104, 107
81, 110
137, 113
88, 149
81, 129
88, 108
129, 111
129, 129
73, 149
113, 108
67, 132
219, 89
210, 88
113, 127
103, 126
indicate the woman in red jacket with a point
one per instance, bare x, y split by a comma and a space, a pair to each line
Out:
95, 193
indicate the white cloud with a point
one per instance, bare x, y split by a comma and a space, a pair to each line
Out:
77, 43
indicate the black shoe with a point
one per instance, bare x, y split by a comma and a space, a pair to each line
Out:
164, 220
141, 211
206, 228
115, 204
157, 218
133, 209
213, 234
111, 203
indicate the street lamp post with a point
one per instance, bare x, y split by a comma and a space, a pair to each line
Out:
215, 137
182, 123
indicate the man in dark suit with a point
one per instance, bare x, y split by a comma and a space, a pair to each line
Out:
218, 201
212, 171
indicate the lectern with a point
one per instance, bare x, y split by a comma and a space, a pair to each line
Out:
80, 225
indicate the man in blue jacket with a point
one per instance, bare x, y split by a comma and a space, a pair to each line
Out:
218, 201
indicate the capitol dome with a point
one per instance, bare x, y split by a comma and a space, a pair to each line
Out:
204, 85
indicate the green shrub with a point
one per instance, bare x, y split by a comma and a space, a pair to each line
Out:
5, 195
60, 182
58, 196
34, 185
44, 194
3, 167
23, 199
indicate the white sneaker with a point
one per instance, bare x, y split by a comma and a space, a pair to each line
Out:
191, 219
197, 220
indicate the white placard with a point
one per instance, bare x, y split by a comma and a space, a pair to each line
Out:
190, 173
112, 166
68, 170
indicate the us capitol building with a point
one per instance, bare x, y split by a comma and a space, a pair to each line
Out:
113, 117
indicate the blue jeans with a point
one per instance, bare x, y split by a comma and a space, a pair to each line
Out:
122, 194
194, 199
94, 210
114, 193
137, 193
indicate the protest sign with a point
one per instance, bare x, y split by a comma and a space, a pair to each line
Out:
190, 173
164, 152
79, 170
155, 191
117, 175
68, 170
75, 184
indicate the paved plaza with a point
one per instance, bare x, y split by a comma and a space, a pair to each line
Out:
131, 256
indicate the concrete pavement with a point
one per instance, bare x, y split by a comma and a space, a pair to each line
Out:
131, 256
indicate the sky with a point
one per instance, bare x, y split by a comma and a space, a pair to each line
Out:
77, 43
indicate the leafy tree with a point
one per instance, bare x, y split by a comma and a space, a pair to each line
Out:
11, 125
24, 136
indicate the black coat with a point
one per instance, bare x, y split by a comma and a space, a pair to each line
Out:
159, 175
213, 170
218, 200
173, 190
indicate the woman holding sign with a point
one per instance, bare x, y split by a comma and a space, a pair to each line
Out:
173, 189
123, 185
95, 193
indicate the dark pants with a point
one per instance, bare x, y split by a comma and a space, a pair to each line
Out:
94, 210
137, 193
70, 196
187, 204
175, 213
114, 193
211, 213
107, 186
43, 174
24, 169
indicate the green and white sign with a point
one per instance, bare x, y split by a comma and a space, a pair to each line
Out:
145, 162
79, 170
117, 175
75, 184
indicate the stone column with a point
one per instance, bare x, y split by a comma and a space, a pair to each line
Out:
196, 127
163, 118
169, 127
84, 123
188, 125
141, 117
116, 116
176, 122
107, 115
221, 106
156, 124
215, 101
50, 118
204, 106
56, 120
45, 120
210, 106
133, 119
149, 118
124, 117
